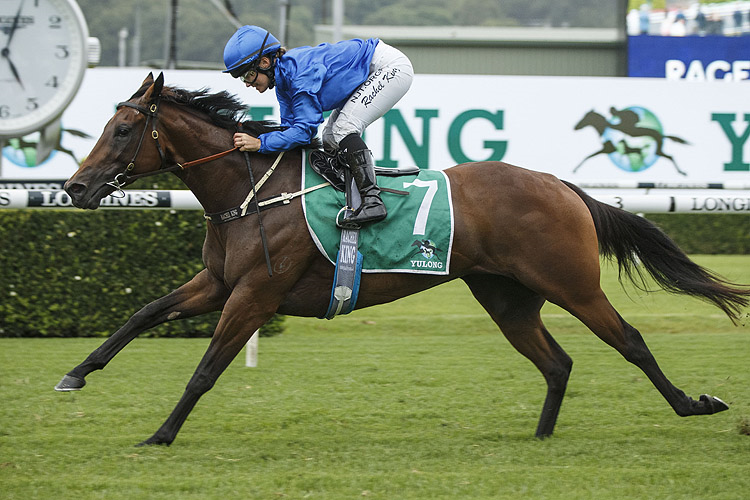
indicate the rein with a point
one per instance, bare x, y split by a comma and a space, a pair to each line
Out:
123, 178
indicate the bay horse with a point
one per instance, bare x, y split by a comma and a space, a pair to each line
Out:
521, 238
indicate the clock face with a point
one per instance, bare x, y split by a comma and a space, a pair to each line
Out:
42, 61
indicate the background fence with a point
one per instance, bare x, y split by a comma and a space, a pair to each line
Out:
65, 272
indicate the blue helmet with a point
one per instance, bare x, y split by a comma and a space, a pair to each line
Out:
246, 46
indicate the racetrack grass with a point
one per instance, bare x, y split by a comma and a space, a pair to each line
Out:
422, 398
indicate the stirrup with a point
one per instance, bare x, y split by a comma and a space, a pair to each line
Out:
362, 212
342, 223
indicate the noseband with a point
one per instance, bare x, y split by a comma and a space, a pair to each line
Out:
123, 178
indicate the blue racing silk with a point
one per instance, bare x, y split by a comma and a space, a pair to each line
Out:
311, 80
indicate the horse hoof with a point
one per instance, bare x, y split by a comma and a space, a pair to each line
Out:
714, 404
152, 442
70, 383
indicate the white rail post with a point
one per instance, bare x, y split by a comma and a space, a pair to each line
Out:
251, 351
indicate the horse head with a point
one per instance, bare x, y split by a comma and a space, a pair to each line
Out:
585, 121
129, 145
593, 119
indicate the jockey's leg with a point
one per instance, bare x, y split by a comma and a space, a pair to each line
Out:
329, 142
391, 74
359, 159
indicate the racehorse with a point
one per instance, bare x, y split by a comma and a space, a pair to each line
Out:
627, 125
521, 238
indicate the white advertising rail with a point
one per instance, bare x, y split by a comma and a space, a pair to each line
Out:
738, 185
133, 199
719, 202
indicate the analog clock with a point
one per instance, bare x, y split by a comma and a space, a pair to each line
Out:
44, 52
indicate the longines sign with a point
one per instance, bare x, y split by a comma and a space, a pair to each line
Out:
55, 199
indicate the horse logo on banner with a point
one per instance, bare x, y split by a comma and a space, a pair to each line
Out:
633, 138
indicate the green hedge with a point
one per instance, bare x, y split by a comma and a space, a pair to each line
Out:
76, 273
83, 274
707, 233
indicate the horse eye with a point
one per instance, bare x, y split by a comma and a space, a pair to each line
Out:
122, 131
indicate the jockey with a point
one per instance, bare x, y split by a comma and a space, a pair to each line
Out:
358, 80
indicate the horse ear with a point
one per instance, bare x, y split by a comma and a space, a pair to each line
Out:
148, 80
159, 83
155, 89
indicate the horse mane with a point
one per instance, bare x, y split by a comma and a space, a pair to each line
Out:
222, 109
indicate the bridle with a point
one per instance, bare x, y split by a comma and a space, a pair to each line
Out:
123, 178
151, 112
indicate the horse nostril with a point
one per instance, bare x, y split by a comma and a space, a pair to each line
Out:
75, 189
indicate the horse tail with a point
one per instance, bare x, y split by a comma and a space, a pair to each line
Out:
637, 245
676, 139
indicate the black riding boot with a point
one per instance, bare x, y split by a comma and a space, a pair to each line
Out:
372, 208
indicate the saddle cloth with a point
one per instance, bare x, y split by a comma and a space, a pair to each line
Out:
416, 237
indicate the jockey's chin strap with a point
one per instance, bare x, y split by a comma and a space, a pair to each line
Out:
124, 178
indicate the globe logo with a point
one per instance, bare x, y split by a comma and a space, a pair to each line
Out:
632, 138
33, 150
633, 154
22, 153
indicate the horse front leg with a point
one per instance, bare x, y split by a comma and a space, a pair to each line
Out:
200, 295
240, 318
607, 148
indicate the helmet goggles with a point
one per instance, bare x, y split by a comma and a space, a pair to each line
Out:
236, 57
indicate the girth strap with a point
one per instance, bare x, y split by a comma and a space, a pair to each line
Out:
254, 191
281, 199
262, 181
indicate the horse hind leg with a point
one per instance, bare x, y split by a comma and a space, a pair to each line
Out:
515, 309
679, 171
602, 319
661, 153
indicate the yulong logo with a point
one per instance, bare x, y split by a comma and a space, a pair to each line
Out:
633, 138
428, 250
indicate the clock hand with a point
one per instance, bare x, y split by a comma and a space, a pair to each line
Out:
15, 25
6, 50
13, 69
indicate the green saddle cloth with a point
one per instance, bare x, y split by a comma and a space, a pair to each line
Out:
416, 237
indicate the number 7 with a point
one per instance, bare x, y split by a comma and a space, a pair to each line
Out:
420, 224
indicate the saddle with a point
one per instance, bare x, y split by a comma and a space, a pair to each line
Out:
349, 260
331, 167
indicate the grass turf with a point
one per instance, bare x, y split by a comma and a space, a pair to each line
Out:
422, 398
